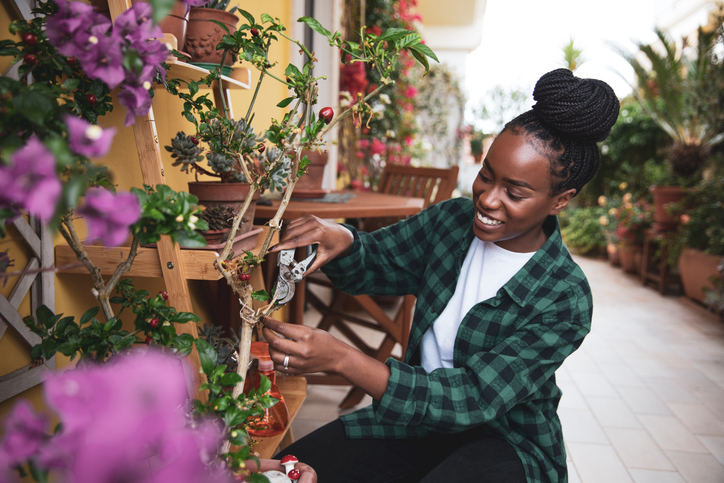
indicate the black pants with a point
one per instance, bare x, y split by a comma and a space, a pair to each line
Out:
470, 456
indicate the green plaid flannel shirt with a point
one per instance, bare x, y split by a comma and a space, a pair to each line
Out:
507, 348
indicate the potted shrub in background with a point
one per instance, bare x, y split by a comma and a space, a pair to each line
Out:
697, 245
633, 218
582, 231
476, 145
682, 92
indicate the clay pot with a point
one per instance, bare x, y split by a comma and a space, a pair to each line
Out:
695, 270
629, 257
212, 193
312, 181
176, 22
664, 196
203, 36
612, 253
215, 237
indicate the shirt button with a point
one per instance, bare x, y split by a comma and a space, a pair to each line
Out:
433, 310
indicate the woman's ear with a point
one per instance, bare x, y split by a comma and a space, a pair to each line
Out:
561, 200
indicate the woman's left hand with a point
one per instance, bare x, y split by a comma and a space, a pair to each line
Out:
309, 349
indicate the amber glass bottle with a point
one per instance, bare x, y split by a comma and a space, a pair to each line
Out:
276, 418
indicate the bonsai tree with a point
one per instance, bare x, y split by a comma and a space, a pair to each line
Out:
683, 91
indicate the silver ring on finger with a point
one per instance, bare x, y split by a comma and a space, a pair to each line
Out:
286, 362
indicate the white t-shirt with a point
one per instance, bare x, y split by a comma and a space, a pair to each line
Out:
486, 268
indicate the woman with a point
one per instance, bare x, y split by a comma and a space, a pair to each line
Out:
500, 305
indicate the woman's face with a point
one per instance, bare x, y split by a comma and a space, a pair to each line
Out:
511, 194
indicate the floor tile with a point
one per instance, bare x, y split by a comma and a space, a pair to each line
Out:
572, 397
713, 401
573, 473
580, 426
715, 444
670, 390
593, 384
648, 367
642, 400
671, 434
637, 449
612, 412
652, 476
698, 418
597, 463
580, 362
695, 380
697, 468
621, 375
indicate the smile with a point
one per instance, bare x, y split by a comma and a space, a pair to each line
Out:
488, 221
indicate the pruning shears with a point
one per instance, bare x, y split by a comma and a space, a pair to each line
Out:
290, 273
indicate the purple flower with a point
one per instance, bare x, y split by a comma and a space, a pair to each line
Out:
136, 25
24, 432
109, 216
136, 100
104, 59
88, 139
72, 18
30, 180
195, 3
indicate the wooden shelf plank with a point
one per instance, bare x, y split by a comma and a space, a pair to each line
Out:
239, 79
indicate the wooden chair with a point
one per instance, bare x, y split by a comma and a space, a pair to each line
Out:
432, 184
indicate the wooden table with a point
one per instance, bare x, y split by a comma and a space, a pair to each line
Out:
362, 205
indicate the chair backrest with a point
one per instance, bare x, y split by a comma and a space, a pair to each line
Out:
432, 184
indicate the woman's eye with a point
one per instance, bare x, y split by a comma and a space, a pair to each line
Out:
484, 178
514, 197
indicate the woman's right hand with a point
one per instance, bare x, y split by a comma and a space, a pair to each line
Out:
332, 239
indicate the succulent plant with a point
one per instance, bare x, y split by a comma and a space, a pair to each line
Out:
185, 150
218, 217
220, 5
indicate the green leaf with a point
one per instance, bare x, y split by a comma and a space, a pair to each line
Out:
421, 59
63, 324
208, 356
45, 316
285, 102
71, 84
316, 26
48, 346
35, 107
424, 49
265, 17
88, 315
189, 239
233, 417
260, 295
249, 18
256, 478
230, 379
394, 34
183, 317
72, 190
264, 384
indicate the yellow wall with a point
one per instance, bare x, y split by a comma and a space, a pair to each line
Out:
73, 295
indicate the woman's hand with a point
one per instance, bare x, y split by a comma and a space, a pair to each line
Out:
314, 350
309, 349
308, 475
332, 239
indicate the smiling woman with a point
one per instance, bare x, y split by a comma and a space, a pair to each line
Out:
500, 305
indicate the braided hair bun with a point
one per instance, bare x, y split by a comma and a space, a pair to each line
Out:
581, 109
569, 117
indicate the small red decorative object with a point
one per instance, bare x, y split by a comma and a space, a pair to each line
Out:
294, 474
326, 113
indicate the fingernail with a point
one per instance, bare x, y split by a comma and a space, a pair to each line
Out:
271, 249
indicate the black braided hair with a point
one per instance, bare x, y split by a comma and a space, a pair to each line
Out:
569, 117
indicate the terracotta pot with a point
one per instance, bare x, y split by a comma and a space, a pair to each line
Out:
629, 257
203, 36
176, 22
663, 197
478, 158
212, 193
214, 237
695, 270
612, 253
313, 180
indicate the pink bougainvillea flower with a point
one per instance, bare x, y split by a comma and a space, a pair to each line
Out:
363, 143
109, 216
411, 92
71, 19
136, 100
88, 139
136, 24
377, 146
24, 431
30, 180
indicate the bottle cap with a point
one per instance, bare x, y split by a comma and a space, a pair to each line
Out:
266, 365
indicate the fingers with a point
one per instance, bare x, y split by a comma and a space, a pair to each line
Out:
308, 473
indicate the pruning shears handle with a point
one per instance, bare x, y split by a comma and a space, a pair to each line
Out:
290, 273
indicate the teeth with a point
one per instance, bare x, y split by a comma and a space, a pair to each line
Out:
489, 221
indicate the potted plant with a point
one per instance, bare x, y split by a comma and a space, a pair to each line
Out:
476, 145
220, 219
205, 31
697, 245
609, 224
682, 92
633, 218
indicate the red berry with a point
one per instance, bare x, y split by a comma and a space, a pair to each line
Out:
149, 339
294, 474
164, 295
255, 32
194, 140
29, 39
30, 59
153, 323
326, 113
245, 277
91, 99
71, 61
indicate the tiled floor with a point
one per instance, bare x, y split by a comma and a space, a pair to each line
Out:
643, 397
